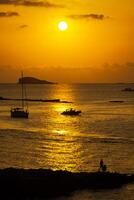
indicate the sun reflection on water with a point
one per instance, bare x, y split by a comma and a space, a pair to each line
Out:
63, 92
63, 155
61, 149
60, 132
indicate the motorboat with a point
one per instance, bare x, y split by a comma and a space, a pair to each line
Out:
71, 112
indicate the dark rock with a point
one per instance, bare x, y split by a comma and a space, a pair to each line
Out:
34, 183
32, 80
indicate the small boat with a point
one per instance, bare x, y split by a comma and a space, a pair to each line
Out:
71, 112
20, 112
116, 101
128, 90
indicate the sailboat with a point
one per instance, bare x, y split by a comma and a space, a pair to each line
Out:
20, 112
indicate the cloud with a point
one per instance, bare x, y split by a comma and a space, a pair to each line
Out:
8, 14
88, 16
107, 73
34, 3
39, 4
130, 64
5, 1
23, 26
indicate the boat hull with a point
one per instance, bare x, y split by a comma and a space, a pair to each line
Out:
71, 113
19, 114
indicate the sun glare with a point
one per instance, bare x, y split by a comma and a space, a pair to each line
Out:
62, 26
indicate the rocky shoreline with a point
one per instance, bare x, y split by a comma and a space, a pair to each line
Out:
35, 100
46, 183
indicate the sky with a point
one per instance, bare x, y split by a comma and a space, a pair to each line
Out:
97, 47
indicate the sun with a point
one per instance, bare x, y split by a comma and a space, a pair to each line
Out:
62, 26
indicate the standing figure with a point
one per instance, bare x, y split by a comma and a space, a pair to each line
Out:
104, 168
101, 165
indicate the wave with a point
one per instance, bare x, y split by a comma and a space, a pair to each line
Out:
36, 135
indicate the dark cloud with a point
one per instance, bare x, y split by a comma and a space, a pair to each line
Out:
23, 26
107, 73
130, 64
39, 3
34, 3
5, 1
8, 14
88, 16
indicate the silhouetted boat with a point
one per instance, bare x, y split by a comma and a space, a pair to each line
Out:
128, 90
71, 112
116, 101
20, 112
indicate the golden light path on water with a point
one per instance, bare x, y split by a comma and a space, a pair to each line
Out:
63, 151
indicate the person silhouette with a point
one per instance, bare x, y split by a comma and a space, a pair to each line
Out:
104, 168
101, 165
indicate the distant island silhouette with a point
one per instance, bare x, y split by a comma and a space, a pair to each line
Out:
33, 80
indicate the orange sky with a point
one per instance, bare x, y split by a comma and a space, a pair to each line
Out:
97, 47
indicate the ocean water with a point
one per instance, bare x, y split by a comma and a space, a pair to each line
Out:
50, 140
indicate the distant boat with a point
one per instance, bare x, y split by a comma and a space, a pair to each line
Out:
20, 112
71, 112
128, 90
116, 101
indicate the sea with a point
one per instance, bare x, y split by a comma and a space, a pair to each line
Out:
49, 140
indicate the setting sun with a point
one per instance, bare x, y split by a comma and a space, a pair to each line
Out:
62, 26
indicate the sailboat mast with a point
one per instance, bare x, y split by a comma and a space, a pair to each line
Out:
22, 89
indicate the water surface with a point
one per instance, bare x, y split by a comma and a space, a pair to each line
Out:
50, 140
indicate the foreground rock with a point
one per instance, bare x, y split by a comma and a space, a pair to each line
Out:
34, 183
